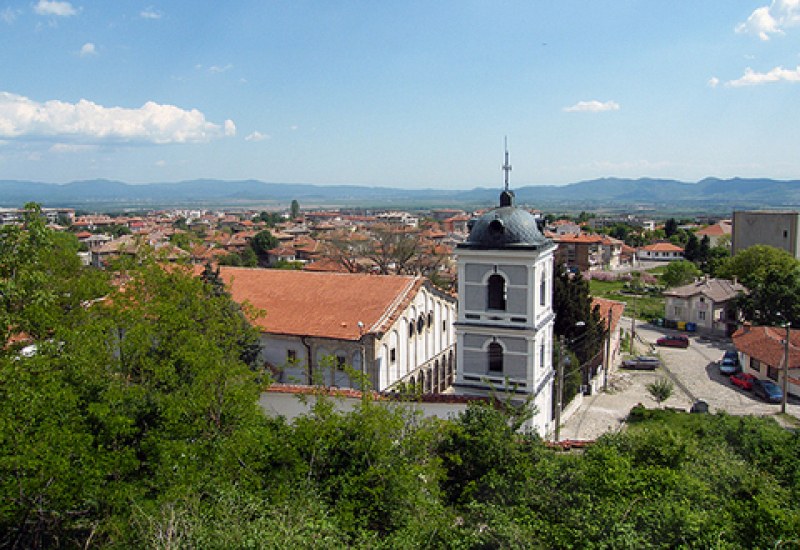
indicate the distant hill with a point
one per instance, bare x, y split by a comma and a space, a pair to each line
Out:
643, 193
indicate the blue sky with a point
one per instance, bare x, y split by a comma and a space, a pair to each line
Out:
406, 94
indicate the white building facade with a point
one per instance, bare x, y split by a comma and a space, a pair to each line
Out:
504, 330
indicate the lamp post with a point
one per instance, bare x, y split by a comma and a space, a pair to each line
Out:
785, 385
563, 361
608, 349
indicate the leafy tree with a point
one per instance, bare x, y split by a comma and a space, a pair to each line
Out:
751, 265
773, 300
294, 209
181, 224
670, 227
660, 390
679, 273
691, 251
261, 243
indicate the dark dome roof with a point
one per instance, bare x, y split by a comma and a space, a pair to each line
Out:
505, 227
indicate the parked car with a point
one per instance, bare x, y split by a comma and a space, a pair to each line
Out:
674, 341
767, 390
728, 366
642, 362
743, 380
733, 355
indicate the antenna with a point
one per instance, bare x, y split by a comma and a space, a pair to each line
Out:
506, 166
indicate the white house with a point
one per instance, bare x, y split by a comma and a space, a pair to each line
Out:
706, 303
662, 252
762, 352
392, 329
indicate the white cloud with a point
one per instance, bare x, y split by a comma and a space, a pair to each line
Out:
751, 78
592, 106
71, 148
713, 82
8, 15
88, 49
293, 127
230, 128
216, 69
257, 136
772, 19
61, 9
86, 121
150, 13
161, 163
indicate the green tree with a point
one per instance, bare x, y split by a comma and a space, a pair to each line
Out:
261, 243
773, 300
294, 209
660, 390
751, 265
679, 273
670, 227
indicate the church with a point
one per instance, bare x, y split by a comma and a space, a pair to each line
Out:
400, 331
504, 329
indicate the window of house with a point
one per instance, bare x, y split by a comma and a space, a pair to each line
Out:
495, 357
444, 326
772, 372
785, 233
291, 356
341, 361
701, 315
430, 319
411, 329
755, 364
393, 355
678, 311
420, 323
541, 355
496, 292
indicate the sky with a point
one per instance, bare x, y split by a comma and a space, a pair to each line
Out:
409, 94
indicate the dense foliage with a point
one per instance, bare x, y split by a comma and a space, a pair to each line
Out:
135, 424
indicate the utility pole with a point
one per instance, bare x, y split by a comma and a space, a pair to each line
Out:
560, 389
785, 367
608, 349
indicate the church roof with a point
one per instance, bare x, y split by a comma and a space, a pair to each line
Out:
505, 227
325, 305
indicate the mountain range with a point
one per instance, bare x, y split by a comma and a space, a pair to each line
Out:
710, 194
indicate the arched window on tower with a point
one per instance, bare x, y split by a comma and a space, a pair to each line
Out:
495, 357
496, 292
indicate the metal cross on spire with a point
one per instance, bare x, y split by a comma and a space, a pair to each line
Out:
506, 166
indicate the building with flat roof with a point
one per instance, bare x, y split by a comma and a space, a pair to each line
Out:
778, 228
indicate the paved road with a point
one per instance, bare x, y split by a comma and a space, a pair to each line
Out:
696, 377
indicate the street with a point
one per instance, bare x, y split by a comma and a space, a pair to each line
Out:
694, 373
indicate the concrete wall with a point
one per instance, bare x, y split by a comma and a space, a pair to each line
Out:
778, 229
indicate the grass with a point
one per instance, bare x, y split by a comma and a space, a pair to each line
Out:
642, 306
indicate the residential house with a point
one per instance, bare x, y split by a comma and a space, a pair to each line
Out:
707, 303
716, 233
392, 329
579, 252
762, 352
660, 252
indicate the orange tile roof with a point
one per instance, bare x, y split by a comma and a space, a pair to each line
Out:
617, 308
326, 305
717, 230
578, 239
662, 247
766, 344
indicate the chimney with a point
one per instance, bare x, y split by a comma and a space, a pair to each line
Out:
734, 280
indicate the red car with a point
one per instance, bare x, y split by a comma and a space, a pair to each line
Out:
674, 341
743, 380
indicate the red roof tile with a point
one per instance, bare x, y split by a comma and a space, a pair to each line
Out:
766, 345
326, 305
